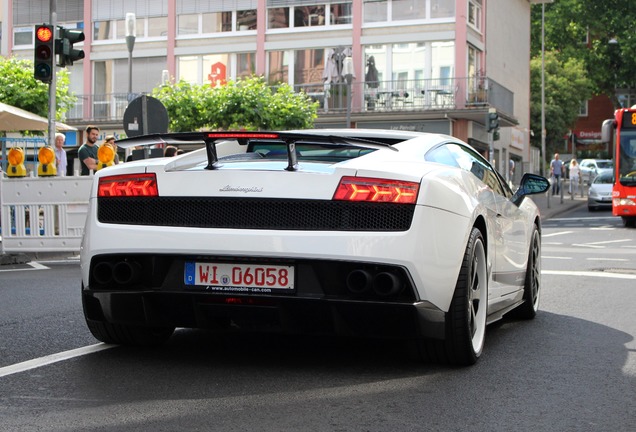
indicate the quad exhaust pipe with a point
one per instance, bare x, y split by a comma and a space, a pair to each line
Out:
382, 284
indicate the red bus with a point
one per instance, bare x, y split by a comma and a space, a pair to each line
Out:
620, 133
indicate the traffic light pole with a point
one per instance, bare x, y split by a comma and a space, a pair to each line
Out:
53, 84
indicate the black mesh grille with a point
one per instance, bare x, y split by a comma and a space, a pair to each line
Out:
251, 213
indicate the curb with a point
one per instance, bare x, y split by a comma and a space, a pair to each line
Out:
8, 259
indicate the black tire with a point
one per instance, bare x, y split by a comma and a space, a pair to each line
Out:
466, 317
532, 285
629, 222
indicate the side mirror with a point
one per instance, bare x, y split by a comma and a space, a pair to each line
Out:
530, 184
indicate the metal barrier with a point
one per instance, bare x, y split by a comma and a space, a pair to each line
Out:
43, 214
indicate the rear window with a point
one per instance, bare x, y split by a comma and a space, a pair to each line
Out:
326, 153
603, 179
604, 164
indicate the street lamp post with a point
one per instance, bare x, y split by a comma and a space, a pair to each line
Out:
131, 34
543, 132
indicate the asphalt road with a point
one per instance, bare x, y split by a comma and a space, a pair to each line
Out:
573, 368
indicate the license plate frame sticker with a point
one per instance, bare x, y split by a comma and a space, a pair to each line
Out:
239, 278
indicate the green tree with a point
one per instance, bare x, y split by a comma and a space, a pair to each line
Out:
599, 33
243, 104
566, 86
19, 88
187, 105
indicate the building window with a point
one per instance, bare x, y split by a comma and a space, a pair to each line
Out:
157, 26
407, 10
278, 18
102, 30
340, 13
375, 11
442, 8
211, 71
309, 65
188, 24
188, 69
278, 67
583, 109
399, 10
245, 65
246, 20
22, 36
309, 16
474, 13
216, 22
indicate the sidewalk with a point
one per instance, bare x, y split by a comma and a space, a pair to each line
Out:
552, 206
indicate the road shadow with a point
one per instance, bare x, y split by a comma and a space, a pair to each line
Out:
553, 373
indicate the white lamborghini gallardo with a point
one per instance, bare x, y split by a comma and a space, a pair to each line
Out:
371, 233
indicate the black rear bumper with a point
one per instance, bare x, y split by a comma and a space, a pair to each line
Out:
265, 313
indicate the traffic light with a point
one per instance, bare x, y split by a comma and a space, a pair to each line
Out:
64, 44
492, 121
44, 53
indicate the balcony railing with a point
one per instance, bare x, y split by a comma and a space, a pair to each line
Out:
382, 96
98, 108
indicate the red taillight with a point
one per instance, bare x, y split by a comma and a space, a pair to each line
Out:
128, 185
376, 190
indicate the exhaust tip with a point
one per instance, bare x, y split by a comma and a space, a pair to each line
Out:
387, 284
359, 281
103, 273
125, 272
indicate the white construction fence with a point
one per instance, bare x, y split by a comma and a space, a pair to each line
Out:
43, 214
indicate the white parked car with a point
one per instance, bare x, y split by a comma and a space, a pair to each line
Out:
600, 193
590, 168
346, 231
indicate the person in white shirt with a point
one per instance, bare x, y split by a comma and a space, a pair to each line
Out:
575, 175
60, 154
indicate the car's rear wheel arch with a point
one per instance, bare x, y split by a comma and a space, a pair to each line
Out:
480, 224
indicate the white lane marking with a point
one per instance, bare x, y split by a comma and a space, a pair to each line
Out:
588, 245
34, 266
608, 241
556, 257
586, 218
606, 259
589, 274
53, 358
556, 234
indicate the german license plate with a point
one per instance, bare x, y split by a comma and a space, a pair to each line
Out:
239, 278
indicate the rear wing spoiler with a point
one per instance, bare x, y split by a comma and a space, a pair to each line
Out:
290, 139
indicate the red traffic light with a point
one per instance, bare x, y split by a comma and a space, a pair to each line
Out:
44, 53
44, 33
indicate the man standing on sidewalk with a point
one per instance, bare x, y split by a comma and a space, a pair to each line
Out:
88, 151
556, 171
